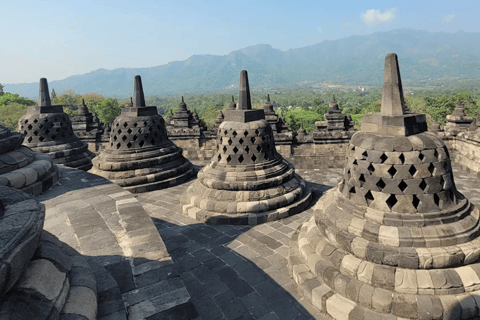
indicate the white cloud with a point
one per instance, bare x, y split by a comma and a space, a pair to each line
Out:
373, 16
448, 18
320, 30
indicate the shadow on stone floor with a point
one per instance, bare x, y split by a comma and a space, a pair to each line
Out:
224, 284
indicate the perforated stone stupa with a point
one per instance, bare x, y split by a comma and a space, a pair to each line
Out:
23, 169
247, 180
395, 239
140, 157
48, 129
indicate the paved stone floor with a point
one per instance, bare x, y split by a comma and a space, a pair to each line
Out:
230, 272
240, 272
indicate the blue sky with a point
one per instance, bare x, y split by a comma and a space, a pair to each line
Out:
56, 39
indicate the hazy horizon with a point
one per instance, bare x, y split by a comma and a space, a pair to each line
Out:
55, 39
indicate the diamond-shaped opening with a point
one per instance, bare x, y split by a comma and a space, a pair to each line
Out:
124, 138
391, 201
247, 149
234, 133
355, 162
412, 170
141, 143
402, 186
240, 141
256, 132
118, 124
135, 124
259, 148
119, 145
224, 149
436, 199
125, 125
119, 131
361, 179
266, 156
381, 184
252, 139
369, 197
245, 133
423, 185
225, 132
30, 139
150, 129
145, 123
115, 138
235, 149
52, 125
402, 158
140, 130
352, 190
263, 138
229, 141
240, 159
365, 154
353, 148
229, 158
47, 131
35, 132
383, 158
30, 127
219, 157
415, 201
421, 156
392, 171
371, 168
435, 153
129, 145
431, 168
254, 158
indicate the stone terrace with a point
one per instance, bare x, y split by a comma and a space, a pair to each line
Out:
187, 269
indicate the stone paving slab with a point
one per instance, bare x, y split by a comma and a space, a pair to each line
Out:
136, 278
240, 272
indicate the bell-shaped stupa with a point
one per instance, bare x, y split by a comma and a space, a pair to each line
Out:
396, 239
48, 129
247, 180
23, 169
139, 156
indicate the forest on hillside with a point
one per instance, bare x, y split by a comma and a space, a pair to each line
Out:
298, 107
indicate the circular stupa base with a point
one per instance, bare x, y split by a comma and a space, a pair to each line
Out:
348, 276
196, 208
28, 171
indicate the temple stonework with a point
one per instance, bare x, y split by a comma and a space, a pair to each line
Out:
183, 125
23, 169
395, 239
247, 180
48, 129
86, 126
458, 121
140, 157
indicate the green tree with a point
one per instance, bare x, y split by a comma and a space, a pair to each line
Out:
107, 110
12, 107
1, 90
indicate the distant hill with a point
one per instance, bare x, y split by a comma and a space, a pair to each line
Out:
356, 60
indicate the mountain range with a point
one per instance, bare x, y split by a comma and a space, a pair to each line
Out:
424, 57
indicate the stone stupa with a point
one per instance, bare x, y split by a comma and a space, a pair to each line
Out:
395, 239
247, 180
23, 169
48, 129
139, 156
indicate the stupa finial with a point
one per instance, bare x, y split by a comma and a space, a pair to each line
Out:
393, 103
138, 96
268, 97
83, 102
233, 104
44, 95
244, 101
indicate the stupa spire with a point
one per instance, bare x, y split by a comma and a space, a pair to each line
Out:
138, 96
44, 95
233, 104
244, 101
393, 103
